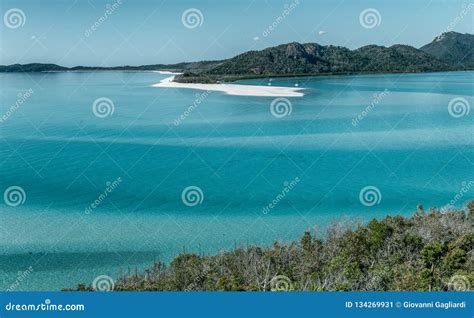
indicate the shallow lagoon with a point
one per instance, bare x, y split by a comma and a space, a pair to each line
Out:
242, 157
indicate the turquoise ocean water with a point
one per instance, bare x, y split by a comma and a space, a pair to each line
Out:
406, 144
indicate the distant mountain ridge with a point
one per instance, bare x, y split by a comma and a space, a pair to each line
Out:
449, 51
452, 47
39, 67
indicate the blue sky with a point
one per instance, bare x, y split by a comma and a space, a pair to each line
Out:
150, 32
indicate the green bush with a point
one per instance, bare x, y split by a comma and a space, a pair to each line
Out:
427, 251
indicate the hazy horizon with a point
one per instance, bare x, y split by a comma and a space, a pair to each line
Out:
189, 61
121, 32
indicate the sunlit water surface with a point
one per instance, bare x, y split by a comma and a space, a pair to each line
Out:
406, 144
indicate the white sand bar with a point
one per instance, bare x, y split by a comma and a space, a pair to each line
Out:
166, 72
235, 89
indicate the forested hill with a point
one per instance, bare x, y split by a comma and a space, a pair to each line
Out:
454, 48
296, 58
450, 51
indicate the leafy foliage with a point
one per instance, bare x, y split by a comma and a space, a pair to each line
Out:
421, 252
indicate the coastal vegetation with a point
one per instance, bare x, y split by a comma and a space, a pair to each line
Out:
428, 251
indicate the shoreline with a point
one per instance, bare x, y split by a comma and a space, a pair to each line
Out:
232, 89
246, 77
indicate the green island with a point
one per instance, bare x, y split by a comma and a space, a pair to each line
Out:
447, 52
428, 251
450, 51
